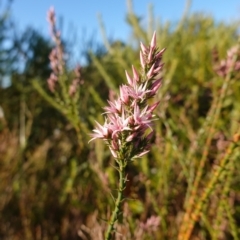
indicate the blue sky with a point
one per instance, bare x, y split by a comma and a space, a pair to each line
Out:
81, 15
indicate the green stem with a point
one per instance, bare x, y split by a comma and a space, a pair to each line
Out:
115, 214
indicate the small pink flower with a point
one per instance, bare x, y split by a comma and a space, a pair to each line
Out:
102, 132
138, 93
151, 224
115, 107
141, 117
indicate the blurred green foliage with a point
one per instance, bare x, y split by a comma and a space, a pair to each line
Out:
51, 188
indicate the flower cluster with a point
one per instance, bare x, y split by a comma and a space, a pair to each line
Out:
231, 63
127, 129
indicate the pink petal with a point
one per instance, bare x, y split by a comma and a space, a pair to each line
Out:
143, 47
151, 71
142, 60
142, 153
113, 152
153, 41
153, 107
135, 74
130, 81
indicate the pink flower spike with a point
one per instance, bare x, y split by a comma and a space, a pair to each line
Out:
142, 60
128, 129
143, 47
153, 41
135, 74
130, 81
